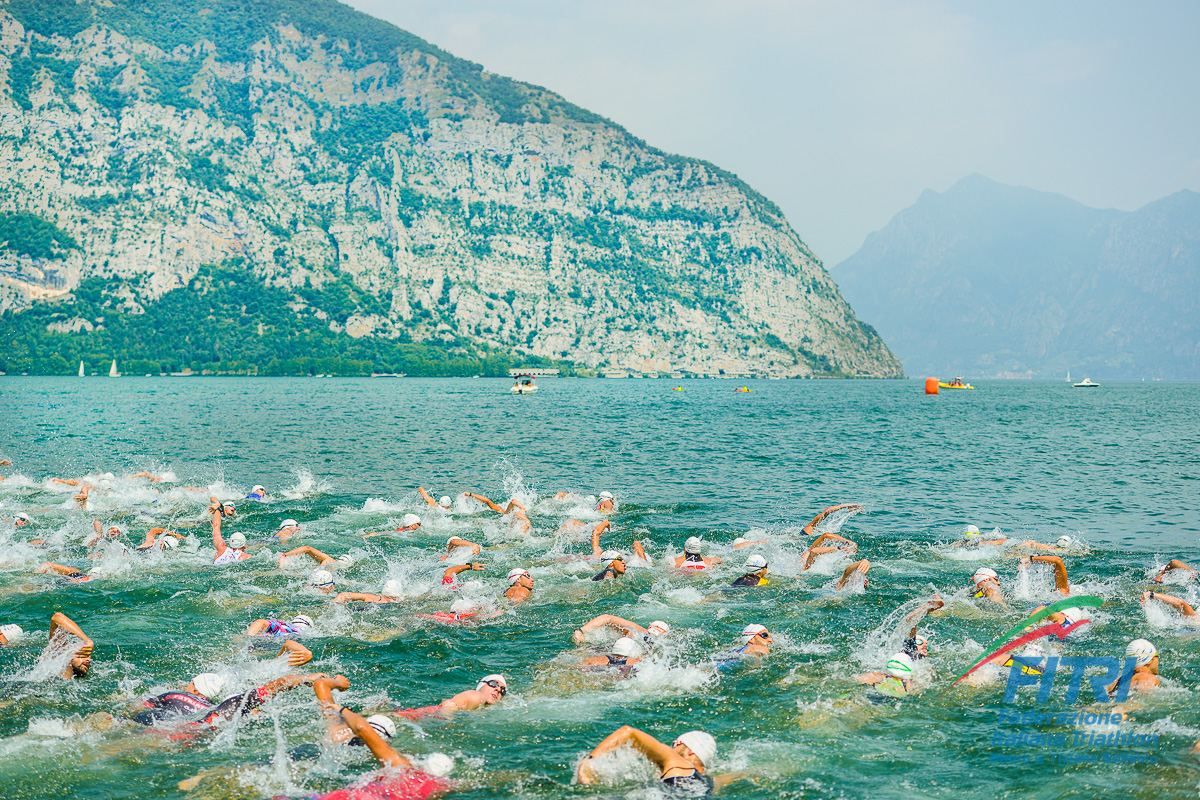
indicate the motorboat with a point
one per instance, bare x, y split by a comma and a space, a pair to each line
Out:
957, 383
524, 385
1086, 383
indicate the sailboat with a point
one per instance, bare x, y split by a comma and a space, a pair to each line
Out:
81, 369
1068, 376
112, 371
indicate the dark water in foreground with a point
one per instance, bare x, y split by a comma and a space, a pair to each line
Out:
1115, 467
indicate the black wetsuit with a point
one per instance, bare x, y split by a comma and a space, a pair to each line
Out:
178, 704
697, 784
749, 579
617, 661
607, 571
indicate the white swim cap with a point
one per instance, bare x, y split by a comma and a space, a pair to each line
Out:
21, 515
1142, 650
345, 559
1065, 541
383, 725
227, 504
739, 540
497, 677
120, 529
302, 621
1072, 615
606, 495
658, 628
700, 743
514, 575
984, 573
439, 765
166, 542
755, 562
463, 606
236, 541
900, 666
321, 578
970, 530
445, 501
750, 631
209, 684
626, 647
289, 523
692, 546
611, 555
392, 588
12, 632
410, 519
259, 490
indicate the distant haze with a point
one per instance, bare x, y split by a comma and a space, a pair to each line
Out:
844, 112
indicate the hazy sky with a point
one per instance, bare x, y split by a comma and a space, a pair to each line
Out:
843, 112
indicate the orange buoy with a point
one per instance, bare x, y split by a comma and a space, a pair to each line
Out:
931, 386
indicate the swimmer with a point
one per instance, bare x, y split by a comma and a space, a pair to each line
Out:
896, 680
152, 540
287, 529
1173, 564
336, 729
853, 508
450, 576
257, 493
1145, 672
199, 694
518, 521
607, 503
1174, 602
647, 635
391, 594
232, 706
323, 560
410, 522
625, 653
70, 573
756, 572
987, 584
454, 542
400, 781
113, 531
20, 519
520, 585
755, 640
681, 766
819, 548
322, 581
301, 624
1060, 570
741, 542
11, 634
490, 690
973, 537
444, 502
63, 635
614, 566
234, 550
691, 558
857, 568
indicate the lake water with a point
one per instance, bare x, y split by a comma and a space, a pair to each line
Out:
1115, 467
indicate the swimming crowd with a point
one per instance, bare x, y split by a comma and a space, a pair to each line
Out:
686, 763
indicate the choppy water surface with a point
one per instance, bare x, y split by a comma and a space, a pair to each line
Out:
1116, 467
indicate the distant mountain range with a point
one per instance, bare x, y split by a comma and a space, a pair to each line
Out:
987, 280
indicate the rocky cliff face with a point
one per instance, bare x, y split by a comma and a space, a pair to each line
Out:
302, 141
990, 280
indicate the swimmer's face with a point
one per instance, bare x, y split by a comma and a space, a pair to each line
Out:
412, 527
526, 581
20, 522
290, 529
492, 694
79, 667
685, 751
618, 565
114, 532
923, 649
1153, 665
229, 509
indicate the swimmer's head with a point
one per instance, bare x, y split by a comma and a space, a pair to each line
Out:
1142, 650
984, 574
302, 621
237, 541
700, 744
606, 495
288, 523
612, 555
626, 647
382, 725
970, 531
753, 632
392, 588
345, 560
209, 684
115, 530
900, 666
658, 628
755, 562
739, 540
1065, 541
1072, 616
166, 542
228, 507
438, 764
916, 646
12, 633
515, 575
692, 546
410, 521
21, 518
259, 490
444, 502
492, 686
321, 579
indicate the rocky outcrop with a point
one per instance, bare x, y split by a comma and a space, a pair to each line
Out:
477, 208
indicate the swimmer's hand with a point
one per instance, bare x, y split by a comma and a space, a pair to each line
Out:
584, 774
298, 654
578, 636
477, 567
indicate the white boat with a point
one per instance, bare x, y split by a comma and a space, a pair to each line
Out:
81, 369
1086, 383
1068, 376
112, 371
524, 385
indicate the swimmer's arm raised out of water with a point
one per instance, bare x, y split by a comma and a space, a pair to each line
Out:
1174, 602
914, 617
512, 503
153, 478
450, 572
457, 542
815, 549
860, 567
82, 498
429, 501
153, 533
638, 551
1174, 563
1060, 571
298, 654
663, 756
330, 710
606, 620
307, 550
808, 529
382, 751
600, 528
61, 624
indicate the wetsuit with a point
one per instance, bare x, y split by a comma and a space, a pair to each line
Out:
230, 556
691, 561
415, 785
607, 572
172, 704
697, 784
750, 579
618, 661
277, 627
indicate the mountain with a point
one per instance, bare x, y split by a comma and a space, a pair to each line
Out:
256, 184
988, 280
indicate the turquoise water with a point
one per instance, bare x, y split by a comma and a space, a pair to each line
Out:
1116, 467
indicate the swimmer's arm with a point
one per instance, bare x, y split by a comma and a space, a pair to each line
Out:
429, 501
67, 481
1060, 571
514, 503
914, 617
346, 597
1174, 563
50, 568
153, 478
330, 711
457, 542
382, 751
289, 682
665, 757
1174, 602
607, 620
638, 551
869, 678
61, 621
723, 780
298, 654
825, 513
858, 566
218, 539
710, 560
452, 571
257, 627
469, 700
487, 502
307, 550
